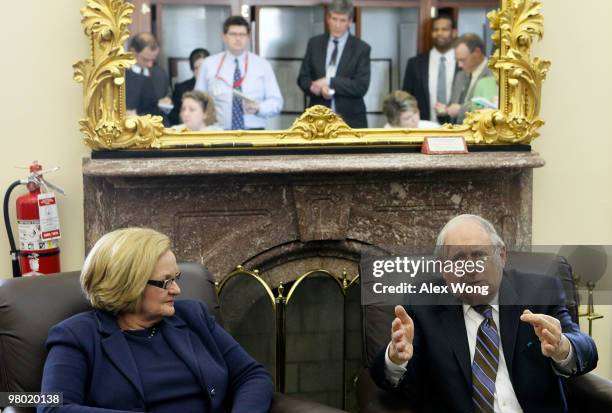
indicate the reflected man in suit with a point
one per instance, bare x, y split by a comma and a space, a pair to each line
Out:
471, 58
196, 58
140, 97
146, 49
506, 351
242, 84
429, 76
335, 71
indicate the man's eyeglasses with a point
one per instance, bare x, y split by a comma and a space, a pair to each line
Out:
234, 35
165, 284
484, 254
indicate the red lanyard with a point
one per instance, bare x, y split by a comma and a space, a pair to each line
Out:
238, 82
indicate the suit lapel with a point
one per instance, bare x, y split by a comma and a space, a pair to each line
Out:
509, 320
175, 332
322, 54
117, 349
346, 54
423, 67
453, 323
459, 86
486, 72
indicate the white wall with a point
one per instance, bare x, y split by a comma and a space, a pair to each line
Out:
572, 193
40, 107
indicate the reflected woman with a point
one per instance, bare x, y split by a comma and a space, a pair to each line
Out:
402, 111
198, 112
140, 349
196, 58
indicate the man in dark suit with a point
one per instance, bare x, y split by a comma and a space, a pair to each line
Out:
196, 57
146, 49
429, 76
504, 351
335, 71
140, 97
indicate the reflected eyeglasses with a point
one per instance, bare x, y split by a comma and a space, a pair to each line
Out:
240, 35
165, 284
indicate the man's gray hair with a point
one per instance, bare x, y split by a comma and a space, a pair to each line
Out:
342, 7
486, 225
472, 41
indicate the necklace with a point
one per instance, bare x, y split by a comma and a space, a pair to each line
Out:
150, 335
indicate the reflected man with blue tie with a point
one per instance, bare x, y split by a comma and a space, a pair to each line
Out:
242, 84
335, 71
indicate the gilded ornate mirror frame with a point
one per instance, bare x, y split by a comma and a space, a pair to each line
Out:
106, 127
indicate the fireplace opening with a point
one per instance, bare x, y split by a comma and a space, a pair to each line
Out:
307, 332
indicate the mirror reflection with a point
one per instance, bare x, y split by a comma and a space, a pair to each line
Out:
374, 66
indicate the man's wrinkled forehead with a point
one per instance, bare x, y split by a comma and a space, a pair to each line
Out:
469, 251
467, 232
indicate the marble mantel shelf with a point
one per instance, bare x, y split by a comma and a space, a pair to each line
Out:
300, 164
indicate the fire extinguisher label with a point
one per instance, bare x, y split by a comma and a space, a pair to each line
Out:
30, 239
49, 218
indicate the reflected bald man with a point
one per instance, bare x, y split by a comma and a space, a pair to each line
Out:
471, 58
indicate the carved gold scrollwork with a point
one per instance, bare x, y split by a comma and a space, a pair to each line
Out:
102, 75
516, 25
520, 77
319, 122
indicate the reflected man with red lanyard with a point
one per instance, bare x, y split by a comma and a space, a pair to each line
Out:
242, 84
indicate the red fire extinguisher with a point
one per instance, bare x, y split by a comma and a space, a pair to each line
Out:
38, 224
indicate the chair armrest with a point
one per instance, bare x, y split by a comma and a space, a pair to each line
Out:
286, 404
373, 399
590, 390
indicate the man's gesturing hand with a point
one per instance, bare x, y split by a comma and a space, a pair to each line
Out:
548, 329
402, 334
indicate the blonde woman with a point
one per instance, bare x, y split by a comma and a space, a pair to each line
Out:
140, 349
402, 111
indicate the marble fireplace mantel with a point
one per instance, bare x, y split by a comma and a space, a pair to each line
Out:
286, 214
298, 164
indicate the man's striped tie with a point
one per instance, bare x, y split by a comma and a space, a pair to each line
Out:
486, 359
237, 108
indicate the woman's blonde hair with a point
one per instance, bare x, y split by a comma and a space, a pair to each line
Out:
397, 102
117, 268
207, 104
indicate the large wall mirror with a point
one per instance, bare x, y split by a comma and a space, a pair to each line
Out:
395, 30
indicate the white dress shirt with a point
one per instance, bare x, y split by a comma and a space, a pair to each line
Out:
330, 49
434, 65
216, 77
140, 70
329, 71
505, 398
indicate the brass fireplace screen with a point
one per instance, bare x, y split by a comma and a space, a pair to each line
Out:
319, 324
